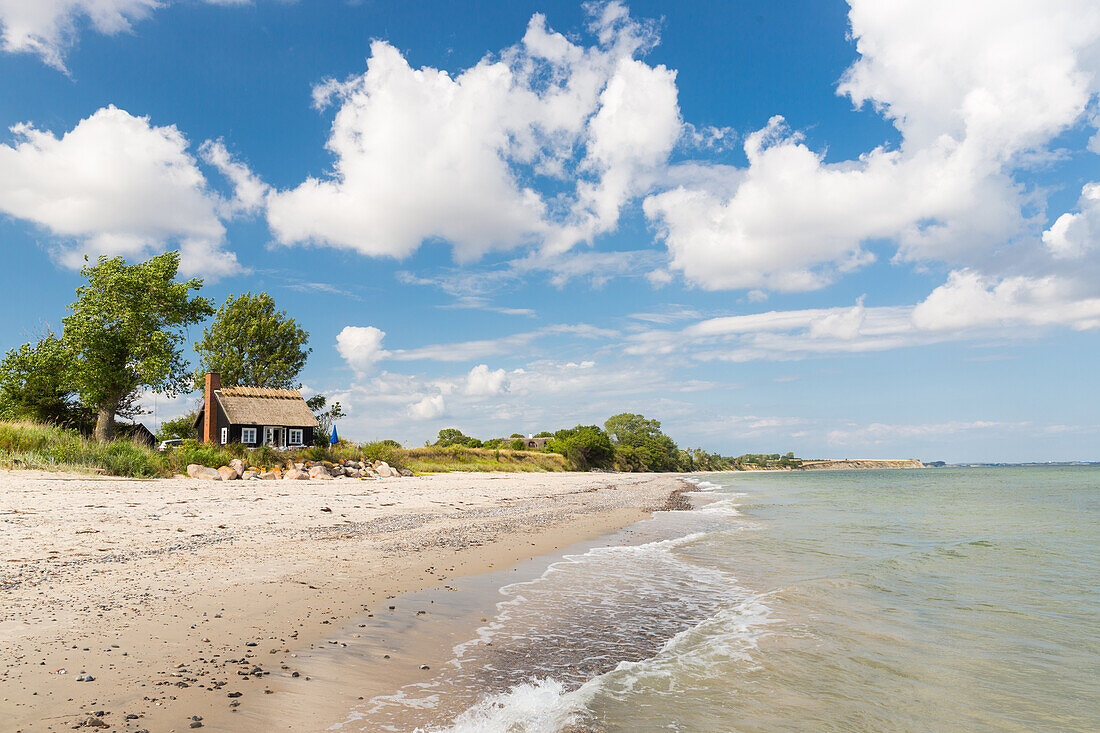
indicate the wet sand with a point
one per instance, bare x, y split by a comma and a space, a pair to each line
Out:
174, 594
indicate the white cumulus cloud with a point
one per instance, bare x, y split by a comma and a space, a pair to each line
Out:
969, 300
361, 347
116, 185
485, 382
428, 408
49, 28
1077, 233
973, 88
424, 154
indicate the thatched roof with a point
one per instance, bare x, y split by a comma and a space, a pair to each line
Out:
262, 406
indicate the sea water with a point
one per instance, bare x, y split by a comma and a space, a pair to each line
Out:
930, 600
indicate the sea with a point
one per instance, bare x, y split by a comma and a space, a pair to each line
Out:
951, 599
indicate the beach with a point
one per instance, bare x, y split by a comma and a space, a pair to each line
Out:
188, 603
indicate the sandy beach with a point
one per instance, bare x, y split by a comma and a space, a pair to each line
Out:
175, 595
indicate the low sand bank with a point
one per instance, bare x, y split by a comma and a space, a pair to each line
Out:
157, 588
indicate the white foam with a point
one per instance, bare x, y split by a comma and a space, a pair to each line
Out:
539, 706
505, 609
544, 706
702, 485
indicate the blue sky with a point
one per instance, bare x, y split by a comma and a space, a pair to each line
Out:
866, 229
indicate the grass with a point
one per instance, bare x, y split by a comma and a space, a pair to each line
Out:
56, 449
442, 460
51, 448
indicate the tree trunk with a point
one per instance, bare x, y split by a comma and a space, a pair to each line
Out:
105, 424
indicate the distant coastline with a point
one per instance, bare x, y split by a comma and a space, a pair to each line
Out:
842, 464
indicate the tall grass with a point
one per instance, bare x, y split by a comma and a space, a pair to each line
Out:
456, 458
58, 449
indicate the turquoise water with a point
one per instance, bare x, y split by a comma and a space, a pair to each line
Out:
938, 600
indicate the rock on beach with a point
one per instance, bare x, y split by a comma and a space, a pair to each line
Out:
204, 473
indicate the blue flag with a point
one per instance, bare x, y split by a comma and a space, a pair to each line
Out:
335, 438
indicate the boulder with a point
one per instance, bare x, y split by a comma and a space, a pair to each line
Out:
237, 465
300, 466
249, 474
295, 474
271, 475
204, 473
320, 472
383, 470
351, 472
405, 472
228, 474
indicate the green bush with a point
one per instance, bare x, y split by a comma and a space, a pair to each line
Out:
53, 448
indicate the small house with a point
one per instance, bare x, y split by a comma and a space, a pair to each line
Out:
254, 416
136, 432
532, 443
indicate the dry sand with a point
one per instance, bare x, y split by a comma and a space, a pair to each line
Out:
175, 594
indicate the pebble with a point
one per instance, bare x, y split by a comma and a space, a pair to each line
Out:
424, 666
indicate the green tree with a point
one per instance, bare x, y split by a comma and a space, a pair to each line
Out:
124, 332
651, 450
182, 427
251, 343
451, 436
34, 385
517, 444
326, 417
630, 428
585, 446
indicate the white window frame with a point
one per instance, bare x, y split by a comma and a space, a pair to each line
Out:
248, 435
293, 433
225, 435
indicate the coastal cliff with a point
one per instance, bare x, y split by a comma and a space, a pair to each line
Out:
860, 463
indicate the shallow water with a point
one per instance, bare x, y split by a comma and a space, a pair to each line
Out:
949, 599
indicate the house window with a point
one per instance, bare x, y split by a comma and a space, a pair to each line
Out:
225, 435
295, 437
248, 435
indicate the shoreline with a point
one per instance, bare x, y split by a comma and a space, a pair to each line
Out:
157, 588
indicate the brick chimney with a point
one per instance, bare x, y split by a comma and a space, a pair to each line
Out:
210, 416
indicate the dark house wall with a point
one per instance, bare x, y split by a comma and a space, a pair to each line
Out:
221, 422
235, 430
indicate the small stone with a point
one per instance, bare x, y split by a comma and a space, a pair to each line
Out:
195, 724
424, 666
234, 694
326, 509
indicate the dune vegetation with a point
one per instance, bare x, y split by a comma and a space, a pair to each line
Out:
25, 444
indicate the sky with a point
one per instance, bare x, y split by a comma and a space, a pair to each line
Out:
848, 230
